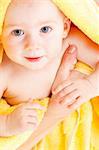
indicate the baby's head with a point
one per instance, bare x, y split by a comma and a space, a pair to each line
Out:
34, 28
33, 32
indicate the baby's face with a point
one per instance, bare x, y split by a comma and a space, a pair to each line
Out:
33, 32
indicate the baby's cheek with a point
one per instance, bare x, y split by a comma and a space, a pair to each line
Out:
54, 46
55, 50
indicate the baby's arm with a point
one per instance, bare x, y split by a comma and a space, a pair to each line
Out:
3, 85
88, 51
23, 117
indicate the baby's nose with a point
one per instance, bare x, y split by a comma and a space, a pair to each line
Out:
31, 43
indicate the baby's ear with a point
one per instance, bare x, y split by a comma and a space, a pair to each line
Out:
67, 24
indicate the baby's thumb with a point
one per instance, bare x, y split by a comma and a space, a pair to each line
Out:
67, 64
69, 59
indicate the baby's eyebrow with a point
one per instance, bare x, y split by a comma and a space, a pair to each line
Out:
10, 25
22, 24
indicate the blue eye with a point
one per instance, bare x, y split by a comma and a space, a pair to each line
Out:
46, 29
17, 32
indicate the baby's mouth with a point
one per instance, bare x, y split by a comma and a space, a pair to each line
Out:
33, 59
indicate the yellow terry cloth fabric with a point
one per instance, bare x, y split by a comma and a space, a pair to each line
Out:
78, 131
84, 14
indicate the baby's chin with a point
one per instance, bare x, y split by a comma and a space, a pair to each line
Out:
34, 66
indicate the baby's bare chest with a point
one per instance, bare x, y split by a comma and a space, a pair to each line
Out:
25, 88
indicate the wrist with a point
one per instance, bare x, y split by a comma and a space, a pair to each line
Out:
52, 120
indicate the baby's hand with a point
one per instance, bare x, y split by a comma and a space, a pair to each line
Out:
24, 117
78, 91
57, 111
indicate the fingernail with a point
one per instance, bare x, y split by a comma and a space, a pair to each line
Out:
72, 49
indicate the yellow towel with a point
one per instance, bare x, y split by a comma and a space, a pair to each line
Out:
84, 14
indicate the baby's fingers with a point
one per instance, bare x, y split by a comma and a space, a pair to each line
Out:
31, 119
62, 86
70, 98
30, 122
77, 103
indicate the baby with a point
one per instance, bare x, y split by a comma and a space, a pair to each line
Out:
33, 43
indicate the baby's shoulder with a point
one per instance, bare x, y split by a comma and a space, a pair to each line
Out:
5, 67
4, 75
